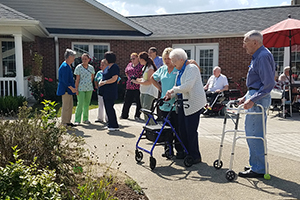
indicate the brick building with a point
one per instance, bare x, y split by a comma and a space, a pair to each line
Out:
48, 28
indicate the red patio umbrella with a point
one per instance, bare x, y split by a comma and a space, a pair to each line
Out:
283, 34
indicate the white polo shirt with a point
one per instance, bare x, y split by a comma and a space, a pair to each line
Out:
217, 83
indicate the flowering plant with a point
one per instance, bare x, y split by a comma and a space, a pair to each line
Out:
43, 89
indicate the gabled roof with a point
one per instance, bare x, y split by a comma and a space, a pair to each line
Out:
120, 17
227, 23
15, 22
79, 18
7, 13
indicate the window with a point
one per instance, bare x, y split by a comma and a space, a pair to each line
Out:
95, 50
278, 54
281, 57
7, 59
206, 55
296, 60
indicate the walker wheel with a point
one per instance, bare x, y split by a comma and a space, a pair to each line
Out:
138, 155
231, 175
152, 163
218, 166
188, 161
267, 176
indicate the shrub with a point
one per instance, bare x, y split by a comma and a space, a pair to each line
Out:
10, 104
18, 181
41, 137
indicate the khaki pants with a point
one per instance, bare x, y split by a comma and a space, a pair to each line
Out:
66, 109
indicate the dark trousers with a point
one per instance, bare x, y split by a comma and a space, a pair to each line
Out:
111, 113
188, 126
212, 96
174, 121
130, 96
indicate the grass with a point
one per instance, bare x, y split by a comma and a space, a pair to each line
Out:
93, 105
134, 186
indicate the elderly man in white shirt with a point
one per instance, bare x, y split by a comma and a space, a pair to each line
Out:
216, 84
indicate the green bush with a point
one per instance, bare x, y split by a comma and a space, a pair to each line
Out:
11, 104
46, 154
41, 137
19, 181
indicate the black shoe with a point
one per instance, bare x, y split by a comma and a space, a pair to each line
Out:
180, 155
71, 124
250, 174
246, 168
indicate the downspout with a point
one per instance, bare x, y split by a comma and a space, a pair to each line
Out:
56, 55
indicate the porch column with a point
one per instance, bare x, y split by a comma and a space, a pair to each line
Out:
19, 64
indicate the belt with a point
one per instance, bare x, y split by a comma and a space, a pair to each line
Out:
252, 88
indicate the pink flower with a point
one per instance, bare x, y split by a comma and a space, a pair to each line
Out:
46, 78
42, 95
50, 80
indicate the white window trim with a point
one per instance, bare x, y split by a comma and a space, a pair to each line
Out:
1, 60
91, 45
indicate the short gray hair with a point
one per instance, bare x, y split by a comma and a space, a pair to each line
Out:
178, 54
217, 67
69, 52
254, 35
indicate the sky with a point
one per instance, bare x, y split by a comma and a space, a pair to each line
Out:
157, 7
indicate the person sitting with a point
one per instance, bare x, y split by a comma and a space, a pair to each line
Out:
216, 84
284, 79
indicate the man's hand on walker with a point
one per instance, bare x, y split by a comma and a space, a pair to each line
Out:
248, 104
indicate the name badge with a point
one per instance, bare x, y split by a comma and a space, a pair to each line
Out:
174, 72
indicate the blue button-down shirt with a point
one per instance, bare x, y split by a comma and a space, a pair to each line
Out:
178, 80
158, 61
261, 73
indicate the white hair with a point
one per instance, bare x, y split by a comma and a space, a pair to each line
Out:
178, 54
217, 67
69, 52
254, 35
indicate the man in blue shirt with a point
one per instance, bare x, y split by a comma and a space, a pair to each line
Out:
158, 61
260, 82
66, 87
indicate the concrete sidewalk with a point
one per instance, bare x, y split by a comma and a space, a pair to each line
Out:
172, 180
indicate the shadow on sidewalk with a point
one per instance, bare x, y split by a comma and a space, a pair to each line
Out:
288, 189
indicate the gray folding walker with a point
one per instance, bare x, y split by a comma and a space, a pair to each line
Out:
233, 112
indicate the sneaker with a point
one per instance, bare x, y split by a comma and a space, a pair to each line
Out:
76, 124
113, 129
138, 119
70, 124
86, 122
99, 121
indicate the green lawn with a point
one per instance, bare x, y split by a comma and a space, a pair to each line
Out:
93, 105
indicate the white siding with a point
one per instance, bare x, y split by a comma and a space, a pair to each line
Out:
73, 14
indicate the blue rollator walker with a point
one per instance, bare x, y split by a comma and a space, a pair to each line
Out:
233, 112
160, 133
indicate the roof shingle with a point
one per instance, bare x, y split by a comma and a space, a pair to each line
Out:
7, 13
218, 23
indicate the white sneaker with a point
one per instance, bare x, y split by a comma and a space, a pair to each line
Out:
86, 122
113, 129
76, 123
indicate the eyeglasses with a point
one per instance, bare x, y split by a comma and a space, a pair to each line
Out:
132, 58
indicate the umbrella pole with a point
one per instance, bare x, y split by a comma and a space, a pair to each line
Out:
290, 87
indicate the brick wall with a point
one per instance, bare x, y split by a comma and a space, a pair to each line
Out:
232, 57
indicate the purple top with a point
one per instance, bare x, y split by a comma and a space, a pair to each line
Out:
261, 73
133, 71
